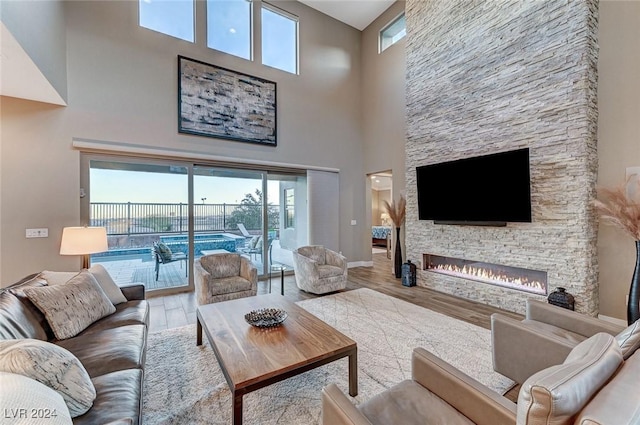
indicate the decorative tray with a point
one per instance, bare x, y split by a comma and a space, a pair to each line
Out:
266, 317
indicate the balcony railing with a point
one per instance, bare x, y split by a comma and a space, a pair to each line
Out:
129, 218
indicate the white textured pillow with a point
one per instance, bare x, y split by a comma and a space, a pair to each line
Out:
72, 307
107, 284
53, 366
27, 401
57, 278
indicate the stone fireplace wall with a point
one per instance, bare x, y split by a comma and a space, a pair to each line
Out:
491, 76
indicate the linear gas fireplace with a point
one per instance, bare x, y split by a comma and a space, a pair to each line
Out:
533, 281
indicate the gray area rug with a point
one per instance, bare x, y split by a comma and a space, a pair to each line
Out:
184, 385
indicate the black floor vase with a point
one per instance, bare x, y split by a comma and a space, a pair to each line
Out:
633, 304
397, 264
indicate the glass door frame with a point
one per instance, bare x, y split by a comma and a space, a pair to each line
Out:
85, 203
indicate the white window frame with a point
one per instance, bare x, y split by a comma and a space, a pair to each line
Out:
386, 27
193, 22
251, 32
294, 18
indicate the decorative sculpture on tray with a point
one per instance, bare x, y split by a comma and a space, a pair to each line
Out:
397, 213
620, 207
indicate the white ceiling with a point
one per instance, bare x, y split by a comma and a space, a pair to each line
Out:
357, 13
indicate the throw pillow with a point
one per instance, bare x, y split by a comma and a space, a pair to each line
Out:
164, 251
254, 243
629, 339
110, 288
53, 366
28, 399
72, 307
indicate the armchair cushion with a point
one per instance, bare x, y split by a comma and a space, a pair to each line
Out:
555, 395
328, 271
409, 403
554, 330
221, 265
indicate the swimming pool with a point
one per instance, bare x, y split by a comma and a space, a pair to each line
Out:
178, 243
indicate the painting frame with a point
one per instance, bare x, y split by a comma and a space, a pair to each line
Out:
225, 104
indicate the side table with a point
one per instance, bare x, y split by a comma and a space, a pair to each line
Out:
278, 268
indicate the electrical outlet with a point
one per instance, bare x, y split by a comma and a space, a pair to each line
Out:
37, 233
353, 222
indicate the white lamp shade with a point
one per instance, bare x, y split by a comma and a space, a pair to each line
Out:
83, 240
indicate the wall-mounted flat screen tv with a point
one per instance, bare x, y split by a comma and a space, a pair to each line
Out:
482, 190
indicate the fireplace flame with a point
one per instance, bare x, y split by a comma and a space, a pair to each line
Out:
491, 276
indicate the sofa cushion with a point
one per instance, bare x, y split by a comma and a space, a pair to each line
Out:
109, 350
554, 395
130, 313
619, 401
17, 320
18, 290
72, 307
53, 366
629, 339
409, 403
31, 396
119, 399
108, 285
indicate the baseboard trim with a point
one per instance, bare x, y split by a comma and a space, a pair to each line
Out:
359, 264
612, 320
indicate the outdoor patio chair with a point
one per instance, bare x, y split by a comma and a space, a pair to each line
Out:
163, 255
244, 231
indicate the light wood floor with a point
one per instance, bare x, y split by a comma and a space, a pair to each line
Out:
178, 310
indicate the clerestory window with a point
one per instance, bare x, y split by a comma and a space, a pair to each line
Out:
279, 39
229, 27
393, 33
171, 17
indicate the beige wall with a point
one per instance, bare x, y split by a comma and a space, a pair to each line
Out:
122, 88
618, 139
383, 105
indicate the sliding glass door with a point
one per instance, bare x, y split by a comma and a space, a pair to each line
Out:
161, 216
229, 212
145, 208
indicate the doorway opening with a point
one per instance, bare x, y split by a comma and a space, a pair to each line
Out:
381, 226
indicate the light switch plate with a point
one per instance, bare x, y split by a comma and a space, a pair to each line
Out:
37, 233
353, 222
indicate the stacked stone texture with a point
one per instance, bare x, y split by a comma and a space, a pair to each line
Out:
491, 76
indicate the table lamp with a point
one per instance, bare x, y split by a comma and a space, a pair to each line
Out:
83, 241
384, 217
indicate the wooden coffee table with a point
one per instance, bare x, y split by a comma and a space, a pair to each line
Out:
252, 358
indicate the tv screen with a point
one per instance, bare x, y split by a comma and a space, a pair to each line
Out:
491, 189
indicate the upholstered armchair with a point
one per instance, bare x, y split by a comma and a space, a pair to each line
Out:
546, 337
319, 270
222, 277
594, 385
